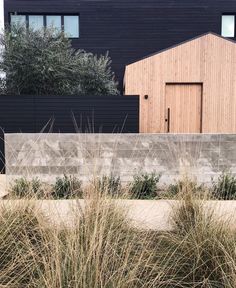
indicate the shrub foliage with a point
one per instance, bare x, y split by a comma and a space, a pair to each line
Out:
25, 188
224, 188
183, 185
109, 185
144, 186
67, 187
44, 62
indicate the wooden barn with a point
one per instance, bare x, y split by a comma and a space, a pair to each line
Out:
189, 88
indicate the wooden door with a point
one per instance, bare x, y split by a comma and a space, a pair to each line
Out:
183, 108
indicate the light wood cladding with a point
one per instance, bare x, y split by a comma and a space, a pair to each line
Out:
183, 108
209, 60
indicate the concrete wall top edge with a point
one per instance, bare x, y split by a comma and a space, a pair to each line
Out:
121, 134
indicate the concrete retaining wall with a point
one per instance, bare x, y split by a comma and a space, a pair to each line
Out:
155, 215
202, 156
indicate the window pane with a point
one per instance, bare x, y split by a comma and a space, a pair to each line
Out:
71, 26
54, 21
18, 20
36, 22
228, 26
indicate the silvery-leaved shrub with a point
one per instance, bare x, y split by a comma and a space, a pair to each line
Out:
67, 187
144, 185
27, 188
110, 185
43, 62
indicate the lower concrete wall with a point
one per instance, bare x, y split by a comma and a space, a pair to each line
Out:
202, 156
155, 215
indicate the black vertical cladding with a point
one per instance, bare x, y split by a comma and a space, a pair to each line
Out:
92, 114
69, 114
132, 29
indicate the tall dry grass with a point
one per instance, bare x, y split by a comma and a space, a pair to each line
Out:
22, 244
201, 250
101, 249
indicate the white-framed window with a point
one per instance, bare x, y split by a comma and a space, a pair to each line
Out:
228, 26
65, 23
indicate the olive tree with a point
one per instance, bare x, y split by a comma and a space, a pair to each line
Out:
44, 62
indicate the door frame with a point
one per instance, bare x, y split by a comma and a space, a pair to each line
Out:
201, 102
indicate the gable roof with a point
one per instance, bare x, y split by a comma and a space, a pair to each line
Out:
184, 42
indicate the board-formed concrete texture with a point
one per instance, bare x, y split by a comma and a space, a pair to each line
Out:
201, 156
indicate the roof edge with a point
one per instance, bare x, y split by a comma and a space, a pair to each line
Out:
183, 42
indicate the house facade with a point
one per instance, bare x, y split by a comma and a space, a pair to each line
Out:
188, 88
128, 29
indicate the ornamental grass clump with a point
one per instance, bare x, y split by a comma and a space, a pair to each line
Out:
23, 243
200, 251
101, 250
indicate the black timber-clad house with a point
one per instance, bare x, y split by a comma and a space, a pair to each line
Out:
128, 29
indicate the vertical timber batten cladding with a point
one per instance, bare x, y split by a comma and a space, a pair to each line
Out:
131, 29
183, 106
69, 114
203, 68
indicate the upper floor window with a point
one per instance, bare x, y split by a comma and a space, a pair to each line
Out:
36, 22
70, 26
53, 21
66, 23
18, 20
228, 26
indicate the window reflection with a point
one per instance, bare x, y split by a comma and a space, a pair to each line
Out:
228, 26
